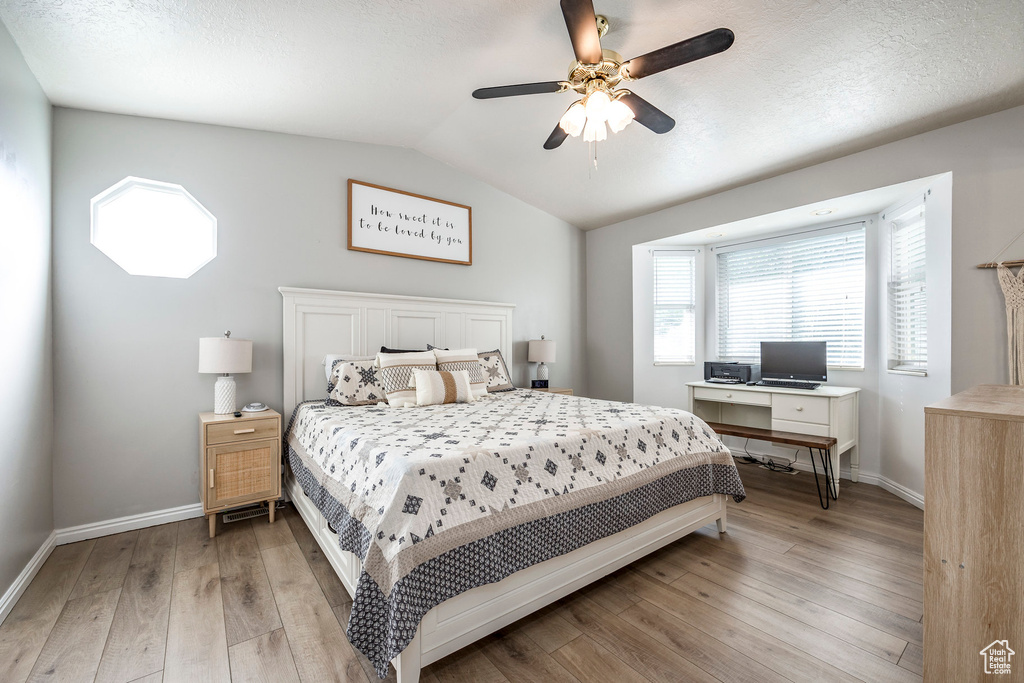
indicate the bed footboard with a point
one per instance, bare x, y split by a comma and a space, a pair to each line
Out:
466, 618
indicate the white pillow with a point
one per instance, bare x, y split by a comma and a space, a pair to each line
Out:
463, 360
434, 387
396, 369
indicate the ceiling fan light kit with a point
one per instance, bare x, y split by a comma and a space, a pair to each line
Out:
596, 73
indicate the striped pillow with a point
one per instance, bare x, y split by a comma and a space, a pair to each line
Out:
463, 359
395, 370
440, 386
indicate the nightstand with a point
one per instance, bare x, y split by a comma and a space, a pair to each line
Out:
239, 461
556, 390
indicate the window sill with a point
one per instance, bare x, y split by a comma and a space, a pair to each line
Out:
911, 373
665, 362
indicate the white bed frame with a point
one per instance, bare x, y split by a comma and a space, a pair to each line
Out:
318, 322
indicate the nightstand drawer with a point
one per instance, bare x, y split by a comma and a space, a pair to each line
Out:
241, 430
242, 472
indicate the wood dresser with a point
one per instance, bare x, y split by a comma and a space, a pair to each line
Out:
974, 534
239, 461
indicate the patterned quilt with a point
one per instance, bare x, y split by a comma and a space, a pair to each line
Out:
437, 500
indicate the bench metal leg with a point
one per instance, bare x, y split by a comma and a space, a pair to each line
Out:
827, 470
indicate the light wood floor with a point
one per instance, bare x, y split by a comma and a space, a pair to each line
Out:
792, 592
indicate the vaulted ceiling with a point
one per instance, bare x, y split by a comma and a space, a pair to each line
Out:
806, 80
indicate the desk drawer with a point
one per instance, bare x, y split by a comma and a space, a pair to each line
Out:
800, 408
754, 398
241, 430
800, 427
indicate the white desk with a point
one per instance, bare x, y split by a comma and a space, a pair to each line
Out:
825, 411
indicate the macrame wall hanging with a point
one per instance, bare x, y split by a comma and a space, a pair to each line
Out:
1013, 291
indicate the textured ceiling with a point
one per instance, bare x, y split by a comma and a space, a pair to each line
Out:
807, 80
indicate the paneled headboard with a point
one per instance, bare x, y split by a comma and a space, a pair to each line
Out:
319, 321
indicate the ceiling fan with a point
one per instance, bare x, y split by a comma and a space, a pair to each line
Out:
596, 73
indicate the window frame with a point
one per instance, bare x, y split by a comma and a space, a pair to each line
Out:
889, 221
794, 235
99, 204
690, 254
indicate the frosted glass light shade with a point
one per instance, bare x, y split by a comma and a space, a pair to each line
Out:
597, 105
573, 120
594, 131
541, 351
619, 115
223, 355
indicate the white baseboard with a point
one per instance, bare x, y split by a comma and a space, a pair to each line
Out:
27, 574
899, 490
913, 497
84, 532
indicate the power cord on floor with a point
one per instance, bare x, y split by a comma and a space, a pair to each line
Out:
767, 463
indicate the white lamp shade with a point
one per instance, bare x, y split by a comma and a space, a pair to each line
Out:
541, 351
225, 356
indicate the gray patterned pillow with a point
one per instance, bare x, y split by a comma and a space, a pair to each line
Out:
355, 383
495, 371
395, 370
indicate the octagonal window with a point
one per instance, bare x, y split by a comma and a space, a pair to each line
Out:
152, 228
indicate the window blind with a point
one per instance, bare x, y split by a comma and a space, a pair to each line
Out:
907, 290
675, 303
806, 289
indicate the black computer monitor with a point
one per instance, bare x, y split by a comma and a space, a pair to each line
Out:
794, 360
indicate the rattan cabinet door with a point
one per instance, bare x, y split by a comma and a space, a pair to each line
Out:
241, 472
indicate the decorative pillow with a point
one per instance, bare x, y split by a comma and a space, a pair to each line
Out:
463, 360
355, 383
434, 387
385, 349
395, 370
332, 358
431, 347
495, 371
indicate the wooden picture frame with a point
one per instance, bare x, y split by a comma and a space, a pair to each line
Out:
383, 220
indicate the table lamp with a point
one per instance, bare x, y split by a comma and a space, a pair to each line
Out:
224, 355
541, 351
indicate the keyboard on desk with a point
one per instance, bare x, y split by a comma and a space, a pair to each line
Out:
787, 384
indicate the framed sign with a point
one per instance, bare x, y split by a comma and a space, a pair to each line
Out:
382, 220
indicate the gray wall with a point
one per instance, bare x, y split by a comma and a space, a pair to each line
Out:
126, 347
986, 157
26, 390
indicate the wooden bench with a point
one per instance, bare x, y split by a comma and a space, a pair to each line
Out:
822, 444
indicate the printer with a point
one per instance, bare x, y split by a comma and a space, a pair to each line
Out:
731, 372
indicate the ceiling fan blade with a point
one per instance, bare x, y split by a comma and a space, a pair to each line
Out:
582, 24
521, 89
557, 137
647, 114
689, 50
